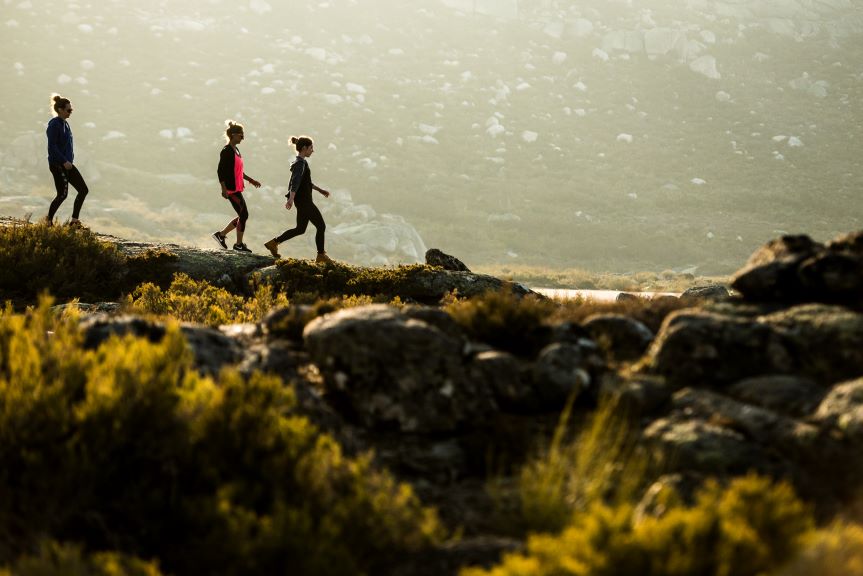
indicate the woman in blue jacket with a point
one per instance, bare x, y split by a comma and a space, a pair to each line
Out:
60, 158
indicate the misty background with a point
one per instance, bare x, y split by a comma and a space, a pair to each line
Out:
599, 134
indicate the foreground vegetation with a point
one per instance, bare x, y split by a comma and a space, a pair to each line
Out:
127, 449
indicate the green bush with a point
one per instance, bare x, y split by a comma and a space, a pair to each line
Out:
336, 279
126, 448
68, 263
752, 527
504, 321
199, 301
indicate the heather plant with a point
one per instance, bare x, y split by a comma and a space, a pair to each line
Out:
836, 550
336, 279
752, 527
68, 263
504, 321
127, 449
199, 301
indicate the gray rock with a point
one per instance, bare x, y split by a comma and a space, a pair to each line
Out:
622, 337
435, 257
798, 269
695, 348
710, 292
842, 408
786, 394
508, 379
389, 370
560, 370
211, 349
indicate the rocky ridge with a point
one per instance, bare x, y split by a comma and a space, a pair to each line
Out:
768, 380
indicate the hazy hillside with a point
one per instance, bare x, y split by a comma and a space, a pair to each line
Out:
607, 135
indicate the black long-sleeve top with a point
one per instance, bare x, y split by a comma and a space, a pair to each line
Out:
301, 181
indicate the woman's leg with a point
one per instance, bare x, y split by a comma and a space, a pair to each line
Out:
77, 181
61, 184
238, 203
300, 228
317, 219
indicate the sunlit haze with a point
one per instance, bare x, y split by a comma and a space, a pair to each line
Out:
601, 134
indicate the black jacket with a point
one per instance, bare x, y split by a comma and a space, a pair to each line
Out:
301, 180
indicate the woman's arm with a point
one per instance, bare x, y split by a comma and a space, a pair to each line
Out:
251, 180
326, 193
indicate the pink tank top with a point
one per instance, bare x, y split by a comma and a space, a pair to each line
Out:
238, 175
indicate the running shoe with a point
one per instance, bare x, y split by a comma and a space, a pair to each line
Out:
217, 236
242, 248
273, 247
322, 258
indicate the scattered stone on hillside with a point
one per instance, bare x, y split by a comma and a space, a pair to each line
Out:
842, 408
798, 269
710, 292
391, 371
85, 309
435, 257
287, 321
792, 395
623, 338
211, 349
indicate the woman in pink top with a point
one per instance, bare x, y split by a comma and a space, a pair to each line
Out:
232, 178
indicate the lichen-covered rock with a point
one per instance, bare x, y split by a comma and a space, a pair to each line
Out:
508, 379
563, 369
389, 370
710, 292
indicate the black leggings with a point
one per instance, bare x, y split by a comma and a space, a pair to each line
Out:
307, 213
62, 179
239, 205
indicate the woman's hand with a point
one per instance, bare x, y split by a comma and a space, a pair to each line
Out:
67, 165
288, 204
224, 194
254, 183
326, 193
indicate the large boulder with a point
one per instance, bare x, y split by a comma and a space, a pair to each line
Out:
388, 370
842, 408
798, 269
791, 395
698, 348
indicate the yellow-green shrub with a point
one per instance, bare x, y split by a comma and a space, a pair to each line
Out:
504, 320
752, 527
834, 551
199, 301
336, 279
126, 448
64, 560
68, 263
599, 464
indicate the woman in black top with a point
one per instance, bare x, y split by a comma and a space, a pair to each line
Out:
232, 178
60, 157
300, 194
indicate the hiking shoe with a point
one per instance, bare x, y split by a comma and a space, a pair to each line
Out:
242, 248
273, 247
322, 258
217, 236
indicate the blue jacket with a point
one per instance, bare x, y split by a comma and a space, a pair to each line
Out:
59, 141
